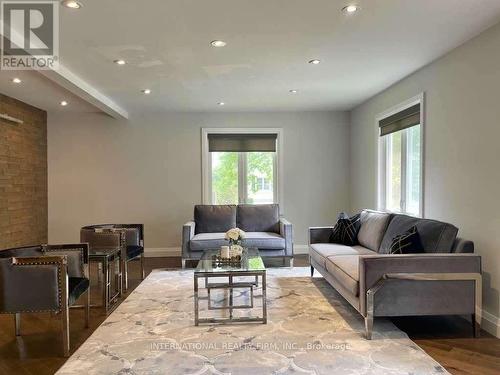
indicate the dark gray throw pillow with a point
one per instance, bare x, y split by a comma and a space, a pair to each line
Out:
346, 230
408, 242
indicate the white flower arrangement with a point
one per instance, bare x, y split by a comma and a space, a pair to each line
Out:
235, 236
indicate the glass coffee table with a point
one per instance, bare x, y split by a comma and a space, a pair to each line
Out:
234, 276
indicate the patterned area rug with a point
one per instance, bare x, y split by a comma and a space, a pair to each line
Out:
311, 329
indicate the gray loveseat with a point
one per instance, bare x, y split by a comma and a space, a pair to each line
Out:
264, 229
444, 280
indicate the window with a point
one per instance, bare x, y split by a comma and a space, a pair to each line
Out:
240, 167
400, 159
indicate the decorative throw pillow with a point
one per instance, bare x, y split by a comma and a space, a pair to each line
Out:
407, 243
346, 230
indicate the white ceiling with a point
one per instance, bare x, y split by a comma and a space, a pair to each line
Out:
269, 42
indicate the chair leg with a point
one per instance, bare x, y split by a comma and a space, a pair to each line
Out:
125, 275
183, 261
369, 326
65, 330
291, 262
17, 323
312, 271
142, 266
87, 308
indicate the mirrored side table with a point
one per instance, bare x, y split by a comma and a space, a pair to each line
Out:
109, 259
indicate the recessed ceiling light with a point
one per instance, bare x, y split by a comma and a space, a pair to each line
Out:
73, 4
314, 62
218, 43
350, 8
120, 62
221, 103
16, 80
64, 103
293, 91
146, 91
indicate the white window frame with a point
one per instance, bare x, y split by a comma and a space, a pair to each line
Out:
206, 162
382, 152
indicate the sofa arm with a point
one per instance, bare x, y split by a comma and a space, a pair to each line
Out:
462, 246
373, 268
33, 284
187, 235
319, 234
286, 231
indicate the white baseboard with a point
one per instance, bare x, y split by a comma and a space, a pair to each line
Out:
157, 252
490, 323
300, 249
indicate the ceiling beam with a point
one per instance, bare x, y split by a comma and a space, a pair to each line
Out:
66, 79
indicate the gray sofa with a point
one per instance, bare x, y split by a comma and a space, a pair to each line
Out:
262, 223
444, 280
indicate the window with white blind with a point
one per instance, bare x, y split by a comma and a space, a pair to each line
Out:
400, 177
241, 166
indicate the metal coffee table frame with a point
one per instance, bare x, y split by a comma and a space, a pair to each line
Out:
230, 285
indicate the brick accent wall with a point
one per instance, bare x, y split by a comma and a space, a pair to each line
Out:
23, 175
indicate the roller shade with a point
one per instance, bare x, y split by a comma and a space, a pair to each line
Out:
242, 142
401, 120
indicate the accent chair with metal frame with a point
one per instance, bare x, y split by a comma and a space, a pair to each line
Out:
109, 235
44, 278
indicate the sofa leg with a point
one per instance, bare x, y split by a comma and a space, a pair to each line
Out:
183, 261
312, 271
476, 326
368, 327
17, 323
65, 330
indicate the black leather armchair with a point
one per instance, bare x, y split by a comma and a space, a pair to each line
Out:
44, 278
129, 237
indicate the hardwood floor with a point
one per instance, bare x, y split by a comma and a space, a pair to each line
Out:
39, 350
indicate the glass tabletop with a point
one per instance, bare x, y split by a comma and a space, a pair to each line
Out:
250, 261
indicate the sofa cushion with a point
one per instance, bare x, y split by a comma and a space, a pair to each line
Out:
373, 227
261, 240
436, 236
264, 240
76, 287
320, 251
134, 251
214, 218
258, 217
204, 241
345, 269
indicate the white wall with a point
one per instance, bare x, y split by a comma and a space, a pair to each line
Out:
462, 174
148, 170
